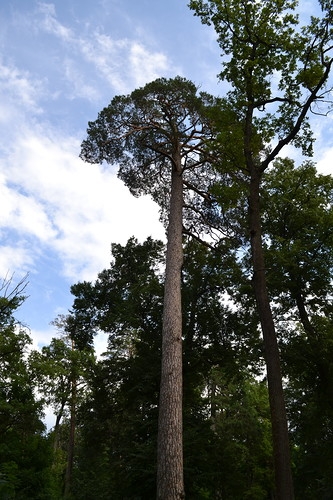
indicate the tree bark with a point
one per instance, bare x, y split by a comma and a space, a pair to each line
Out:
304, 317
170, 482
281, 449
71, 441
56, 428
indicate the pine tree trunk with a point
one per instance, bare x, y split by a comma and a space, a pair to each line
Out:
170, 483
281, 449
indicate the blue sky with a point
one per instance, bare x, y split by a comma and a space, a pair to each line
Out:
60, 63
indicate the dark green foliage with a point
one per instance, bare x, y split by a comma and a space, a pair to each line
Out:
25, 454
227, 437
117, 433
216, 331
241, 421
118, 421
140, 131
146, 131
53, 368
123, 298
310, 395
61, 370
298, 221
298, 224
144, 123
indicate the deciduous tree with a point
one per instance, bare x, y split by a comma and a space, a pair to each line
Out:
277, 71
298, 228
60, 369
25, 456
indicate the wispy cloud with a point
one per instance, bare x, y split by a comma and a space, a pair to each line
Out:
50, 23
19, 89
15, 256
122, 63
125, 64
25, 214
79, 87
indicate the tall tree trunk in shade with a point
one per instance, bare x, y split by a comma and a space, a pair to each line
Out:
170, 482
72, 426
283, 475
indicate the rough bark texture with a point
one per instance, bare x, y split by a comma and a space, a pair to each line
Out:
281, 449
170, 483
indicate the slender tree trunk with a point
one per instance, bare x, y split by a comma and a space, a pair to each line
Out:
304, 317
56, 433
71, 442
57, 426
281, 449
170, 482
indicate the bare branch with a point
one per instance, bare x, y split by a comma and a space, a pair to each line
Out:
197, 238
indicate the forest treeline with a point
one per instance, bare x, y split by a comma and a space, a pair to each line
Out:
216, 382
106, 409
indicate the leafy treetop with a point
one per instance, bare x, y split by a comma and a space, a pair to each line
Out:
277, 68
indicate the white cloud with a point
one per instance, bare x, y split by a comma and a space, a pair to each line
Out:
71, 207
325, 162
100, 343
42, 337
16, 256
25, 214
145, 65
